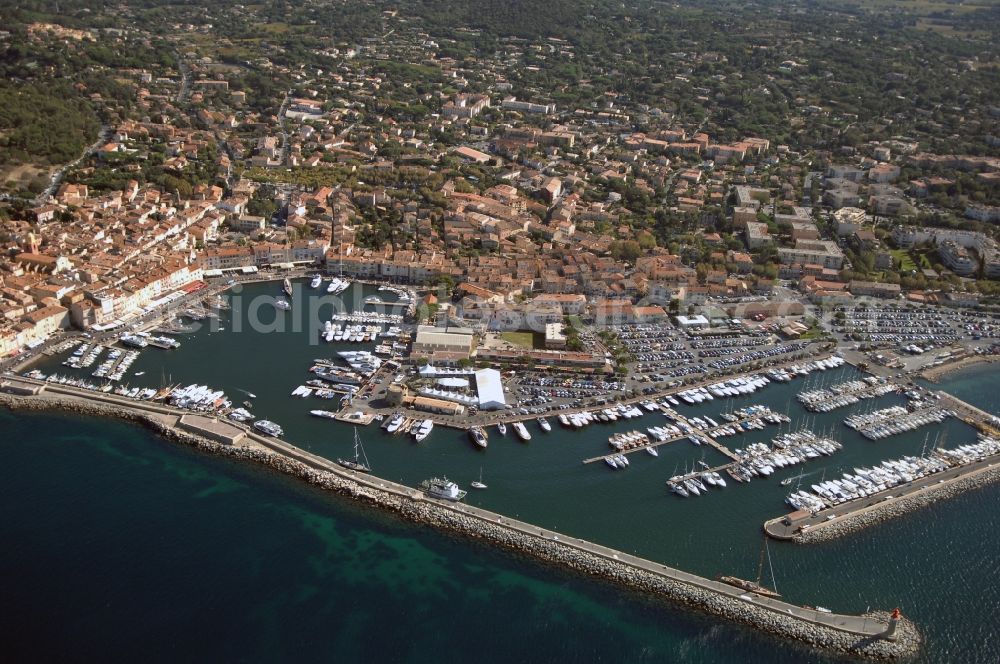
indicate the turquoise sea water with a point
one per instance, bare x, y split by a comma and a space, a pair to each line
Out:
118, 542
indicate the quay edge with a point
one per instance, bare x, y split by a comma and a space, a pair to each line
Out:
625, 570
871, 515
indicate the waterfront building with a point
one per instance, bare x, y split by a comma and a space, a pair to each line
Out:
489, 389
431, 339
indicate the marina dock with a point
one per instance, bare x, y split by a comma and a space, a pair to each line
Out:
825, 399
824, 629
705, 435
976, 417
793, 525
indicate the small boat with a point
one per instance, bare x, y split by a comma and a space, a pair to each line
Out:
789, 480
502, 428
652, 451
323, 413
316, 281
544, 423
521, 431
478, 436
286, 286
478, 484
138, 373
282, 304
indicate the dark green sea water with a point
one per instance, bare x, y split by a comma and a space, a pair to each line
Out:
119, 545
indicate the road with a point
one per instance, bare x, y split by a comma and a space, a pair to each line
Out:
57, 177
285, 146
185, 87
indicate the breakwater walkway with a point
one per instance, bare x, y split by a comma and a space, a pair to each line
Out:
976, 417
810, 527
872, 635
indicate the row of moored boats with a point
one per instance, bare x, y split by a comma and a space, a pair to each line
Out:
866, 482
896, 419
118, 362
848, 393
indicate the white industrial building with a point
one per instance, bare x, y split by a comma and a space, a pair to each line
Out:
490, 390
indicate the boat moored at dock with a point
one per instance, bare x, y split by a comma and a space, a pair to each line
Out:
360, 461
521, 431
443, 488
424, 430
268, 427
479, 437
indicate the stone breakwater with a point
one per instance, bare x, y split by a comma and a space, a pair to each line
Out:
853, 522
451, 519
934, 374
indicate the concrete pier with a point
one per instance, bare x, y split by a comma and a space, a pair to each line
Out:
977, 417
856, 514
704, 434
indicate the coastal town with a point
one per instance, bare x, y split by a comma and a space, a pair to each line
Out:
483, 234
510, 212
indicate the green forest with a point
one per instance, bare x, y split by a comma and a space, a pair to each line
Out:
48, 123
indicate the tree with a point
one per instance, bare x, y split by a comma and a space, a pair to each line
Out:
446, 282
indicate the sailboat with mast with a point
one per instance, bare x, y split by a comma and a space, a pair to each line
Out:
478, 484
359, 454
755, 586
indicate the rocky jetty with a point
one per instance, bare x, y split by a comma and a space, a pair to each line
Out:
412, 505
855, 521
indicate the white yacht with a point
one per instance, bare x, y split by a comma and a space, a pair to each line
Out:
423, 430
478, 435
438, 487
544, 423
478, 484
395, 423
521, 431
268, 427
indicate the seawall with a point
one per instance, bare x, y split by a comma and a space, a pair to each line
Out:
853, 635
898, 506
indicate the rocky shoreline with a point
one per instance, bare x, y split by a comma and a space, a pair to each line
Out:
905, 644
935, 374
881, 512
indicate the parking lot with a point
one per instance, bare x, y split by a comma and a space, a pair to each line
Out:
928, 328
